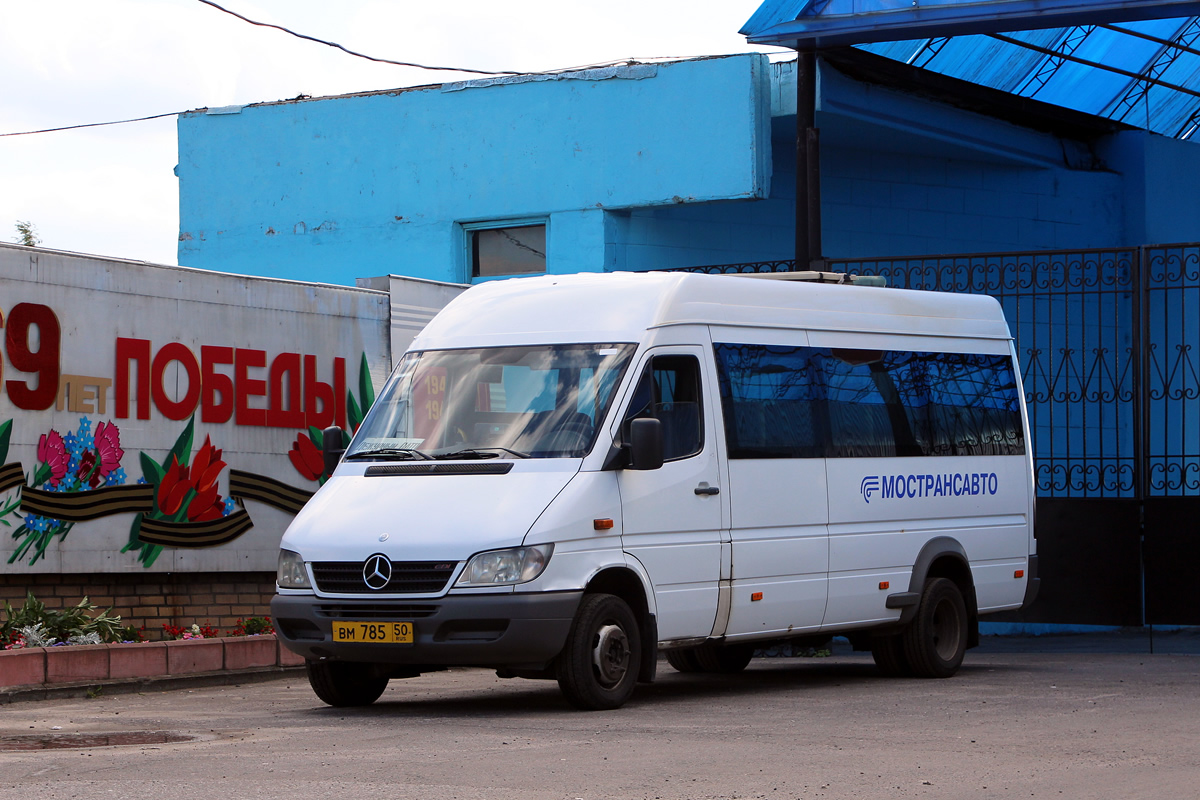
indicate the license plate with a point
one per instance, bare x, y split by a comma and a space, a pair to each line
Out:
373, 632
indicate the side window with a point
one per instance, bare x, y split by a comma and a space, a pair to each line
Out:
814, 402
669, 391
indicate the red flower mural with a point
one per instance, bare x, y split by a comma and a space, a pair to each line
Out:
200, 480
307, 458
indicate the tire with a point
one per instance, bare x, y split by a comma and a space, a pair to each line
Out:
598, 667
888, 652
344, 683
936, 641
683, 659
724, 659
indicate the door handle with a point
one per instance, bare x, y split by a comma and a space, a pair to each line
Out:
704, 489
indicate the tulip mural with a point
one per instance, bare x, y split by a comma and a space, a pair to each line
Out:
306, 454
177, 501
185, 499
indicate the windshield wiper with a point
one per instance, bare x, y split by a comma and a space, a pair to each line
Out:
481, 452
398, 453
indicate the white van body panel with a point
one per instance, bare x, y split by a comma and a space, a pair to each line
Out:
780, 546
876, 527
623, 307
569, 523
345, 520
713, 545
669, 529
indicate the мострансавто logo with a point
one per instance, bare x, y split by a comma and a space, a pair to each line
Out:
950, 484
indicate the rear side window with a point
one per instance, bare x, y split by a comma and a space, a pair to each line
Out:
820, 402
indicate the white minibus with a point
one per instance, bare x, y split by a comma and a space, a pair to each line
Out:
566, 476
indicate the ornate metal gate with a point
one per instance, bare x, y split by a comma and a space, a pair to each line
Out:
1109, 344
1170, 296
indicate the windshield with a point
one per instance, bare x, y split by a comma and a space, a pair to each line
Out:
540, 401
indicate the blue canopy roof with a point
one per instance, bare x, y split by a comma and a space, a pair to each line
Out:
1134, 61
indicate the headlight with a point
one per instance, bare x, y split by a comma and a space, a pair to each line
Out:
515, 565
292, 574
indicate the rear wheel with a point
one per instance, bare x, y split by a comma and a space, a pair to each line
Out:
345, 683
598, 667
936, 641
726, 659
683, 659
888, 652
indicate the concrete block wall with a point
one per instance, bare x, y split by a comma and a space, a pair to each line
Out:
883, 203
153, 599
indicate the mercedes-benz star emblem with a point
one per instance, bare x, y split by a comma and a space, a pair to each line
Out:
377, 571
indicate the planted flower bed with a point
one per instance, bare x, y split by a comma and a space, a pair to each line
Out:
43, 647
28, 667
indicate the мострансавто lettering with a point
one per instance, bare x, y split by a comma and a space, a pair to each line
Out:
950, 484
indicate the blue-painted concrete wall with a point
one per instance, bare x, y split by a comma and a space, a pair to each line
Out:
333, 189
652, 166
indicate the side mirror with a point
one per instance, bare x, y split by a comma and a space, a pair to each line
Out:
645, 444
331, 448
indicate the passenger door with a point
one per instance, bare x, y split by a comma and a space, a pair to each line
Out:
673, 516
777, 487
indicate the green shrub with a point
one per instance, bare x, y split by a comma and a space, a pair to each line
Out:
60, 625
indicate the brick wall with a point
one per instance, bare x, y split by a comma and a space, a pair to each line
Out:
151, 600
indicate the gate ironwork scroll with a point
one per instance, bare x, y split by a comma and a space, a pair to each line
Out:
1073, 316
1109, 346
1170, 296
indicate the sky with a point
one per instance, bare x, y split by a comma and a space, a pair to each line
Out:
111, 190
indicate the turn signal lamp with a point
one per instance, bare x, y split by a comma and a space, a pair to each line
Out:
1019, 573
885, 585
602, 524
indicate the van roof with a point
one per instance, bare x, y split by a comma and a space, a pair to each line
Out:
622, 306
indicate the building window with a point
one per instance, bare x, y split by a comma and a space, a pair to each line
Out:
506, 250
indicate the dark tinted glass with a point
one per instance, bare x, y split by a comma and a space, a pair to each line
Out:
670, 392
814, 402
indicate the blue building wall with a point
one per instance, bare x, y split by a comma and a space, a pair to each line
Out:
342, 187
651, 166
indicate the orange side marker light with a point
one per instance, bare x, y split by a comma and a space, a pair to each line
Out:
1019, 573
885, 585
602, 524
755, 597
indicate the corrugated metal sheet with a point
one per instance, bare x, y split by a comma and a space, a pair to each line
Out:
1143, 72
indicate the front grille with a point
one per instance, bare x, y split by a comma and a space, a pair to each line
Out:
390, 611
408, 577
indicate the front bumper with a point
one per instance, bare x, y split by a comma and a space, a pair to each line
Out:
518, 631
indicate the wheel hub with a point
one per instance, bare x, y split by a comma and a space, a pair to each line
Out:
611, 654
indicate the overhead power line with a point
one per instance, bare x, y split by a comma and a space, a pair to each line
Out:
347, 50
94, 124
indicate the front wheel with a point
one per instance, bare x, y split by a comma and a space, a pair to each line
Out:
598, 667
344, 683
935, 642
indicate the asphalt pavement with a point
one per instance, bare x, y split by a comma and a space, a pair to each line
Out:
1069, 717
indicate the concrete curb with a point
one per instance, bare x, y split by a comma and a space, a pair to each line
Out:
34, 669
